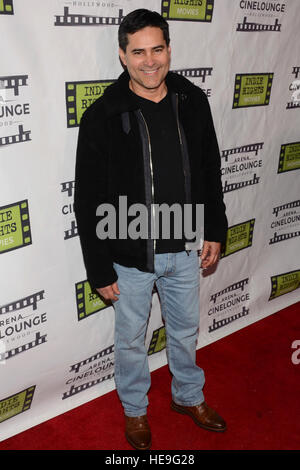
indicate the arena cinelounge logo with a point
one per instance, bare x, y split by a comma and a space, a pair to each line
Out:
78, 19
91, 371
294, 89
232, 301
158, 341
252, 90
260, 16
287, 220
14, 110
15, 229
238, 238
244, 161
67, 210
80, 95
187, 10
19, 323
6, 7
196, 74
16, 404
289, 158
284, 283
88, 301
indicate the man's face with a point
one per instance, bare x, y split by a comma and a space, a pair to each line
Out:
147, 59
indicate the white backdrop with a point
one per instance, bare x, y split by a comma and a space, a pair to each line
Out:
57, 56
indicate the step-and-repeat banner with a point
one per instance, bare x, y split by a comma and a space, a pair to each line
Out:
57, 57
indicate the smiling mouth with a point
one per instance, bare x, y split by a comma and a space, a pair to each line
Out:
150, 72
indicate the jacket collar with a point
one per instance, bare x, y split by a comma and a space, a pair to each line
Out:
118, 98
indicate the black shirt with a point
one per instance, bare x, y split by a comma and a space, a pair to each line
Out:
167, 164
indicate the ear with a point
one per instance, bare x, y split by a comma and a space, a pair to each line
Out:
122, 57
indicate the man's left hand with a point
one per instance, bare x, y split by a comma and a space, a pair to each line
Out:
210, 253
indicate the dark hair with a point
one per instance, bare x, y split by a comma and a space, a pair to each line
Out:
139, 19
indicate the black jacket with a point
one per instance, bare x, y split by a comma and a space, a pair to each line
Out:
113, 159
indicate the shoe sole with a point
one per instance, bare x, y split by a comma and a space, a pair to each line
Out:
135, 446
204, 426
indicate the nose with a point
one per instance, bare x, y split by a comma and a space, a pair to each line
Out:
149, 60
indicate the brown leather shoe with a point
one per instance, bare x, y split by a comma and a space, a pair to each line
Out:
137, 432
202, 415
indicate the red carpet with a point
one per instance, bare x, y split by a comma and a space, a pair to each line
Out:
250, 380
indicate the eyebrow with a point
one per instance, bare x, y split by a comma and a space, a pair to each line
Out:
153, 48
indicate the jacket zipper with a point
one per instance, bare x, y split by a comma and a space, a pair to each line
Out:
181, 146
152, 185
180, 138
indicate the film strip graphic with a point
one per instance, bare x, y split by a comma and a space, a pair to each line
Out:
16, 404
285, 236
6, 7
293, 104
71, 232
242, 184
95, 357
77, 100
226, 321
296, 71
289, 205
284, 283
158, 341
29, 301
73, 19
237, 285
243, 149
199, 72
19, 215
238, 90
251, 26
287, 161
180, 11
24, 347
81, 388
88, 301
13, 82
22, 136
68, 186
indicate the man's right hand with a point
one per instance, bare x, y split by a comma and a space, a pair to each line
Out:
108, 292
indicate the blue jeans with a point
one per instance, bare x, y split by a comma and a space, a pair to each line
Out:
177, 280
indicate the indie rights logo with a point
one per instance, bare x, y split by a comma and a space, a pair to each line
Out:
252, 90
6, 7
80, 95
187, 10
15, 231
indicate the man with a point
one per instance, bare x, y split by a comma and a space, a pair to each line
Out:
151, 138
